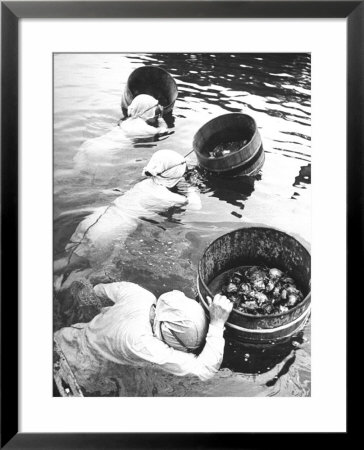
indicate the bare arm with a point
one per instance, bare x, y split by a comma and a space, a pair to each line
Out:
194, 199
191, 193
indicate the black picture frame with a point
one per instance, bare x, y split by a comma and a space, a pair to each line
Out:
11, 13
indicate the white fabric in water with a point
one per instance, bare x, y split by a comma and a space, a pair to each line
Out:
178, 315
101, 154
143, 106
137, 128
105, 151
167, 167
123, 334
97, 234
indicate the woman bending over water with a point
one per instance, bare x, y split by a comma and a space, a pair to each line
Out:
96, 236
143, 121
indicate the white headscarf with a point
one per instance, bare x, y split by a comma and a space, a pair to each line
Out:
142, 106
179, 321
167, 167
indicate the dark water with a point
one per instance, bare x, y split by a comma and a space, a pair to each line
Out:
163, 254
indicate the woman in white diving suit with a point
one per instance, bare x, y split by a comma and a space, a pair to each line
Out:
97, 235
101, 155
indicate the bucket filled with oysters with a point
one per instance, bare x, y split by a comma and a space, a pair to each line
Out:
260, 290
266, 273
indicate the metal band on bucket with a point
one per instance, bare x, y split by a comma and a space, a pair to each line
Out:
270, 330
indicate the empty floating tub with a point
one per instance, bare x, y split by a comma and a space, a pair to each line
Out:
153, 81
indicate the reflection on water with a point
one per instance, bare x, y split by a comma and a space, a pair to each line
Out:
252, 359
235, 190
163, 253
304, 176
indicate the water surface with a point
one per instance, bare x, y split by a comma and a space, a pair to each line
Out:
163, 254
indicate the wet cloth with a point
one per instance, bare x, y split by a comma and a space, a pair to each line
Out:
110, 225
179, 321
104, 151
123, 334
137, 128
142, 108
167, 167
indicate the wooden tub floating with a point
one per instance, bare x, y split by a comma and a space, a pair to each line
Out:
230, 145
258, 246
150, 80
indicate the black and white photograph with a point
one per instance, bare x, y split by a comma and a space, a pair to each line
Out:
181, 225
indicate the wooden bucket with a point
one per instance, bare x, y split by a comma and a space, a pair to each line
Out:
257, 246
248, 160
153, 81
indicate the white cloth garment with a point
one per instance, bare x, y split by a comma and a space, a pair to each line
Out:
123, 334
108, 226
167, 167
141, 109
137, 128
105, 151
142, 106
98, 155
179, 321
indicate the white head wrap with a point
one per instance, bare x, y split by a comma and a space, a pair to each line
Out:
142, 106
167, 167
179, 321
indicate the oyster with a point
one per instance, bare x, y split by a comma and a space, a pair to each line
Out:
284, 294
231, 288
261, 298
269, 286
275, 274
254, 274
291, 289
244, 289
250, 307
268, 308
226, 148
235, 299
260, 290
258, 285
237, 278
293, 299
276, 292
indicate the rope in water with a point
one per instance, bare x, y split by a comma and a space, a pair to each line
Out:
77, 244
188, 153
